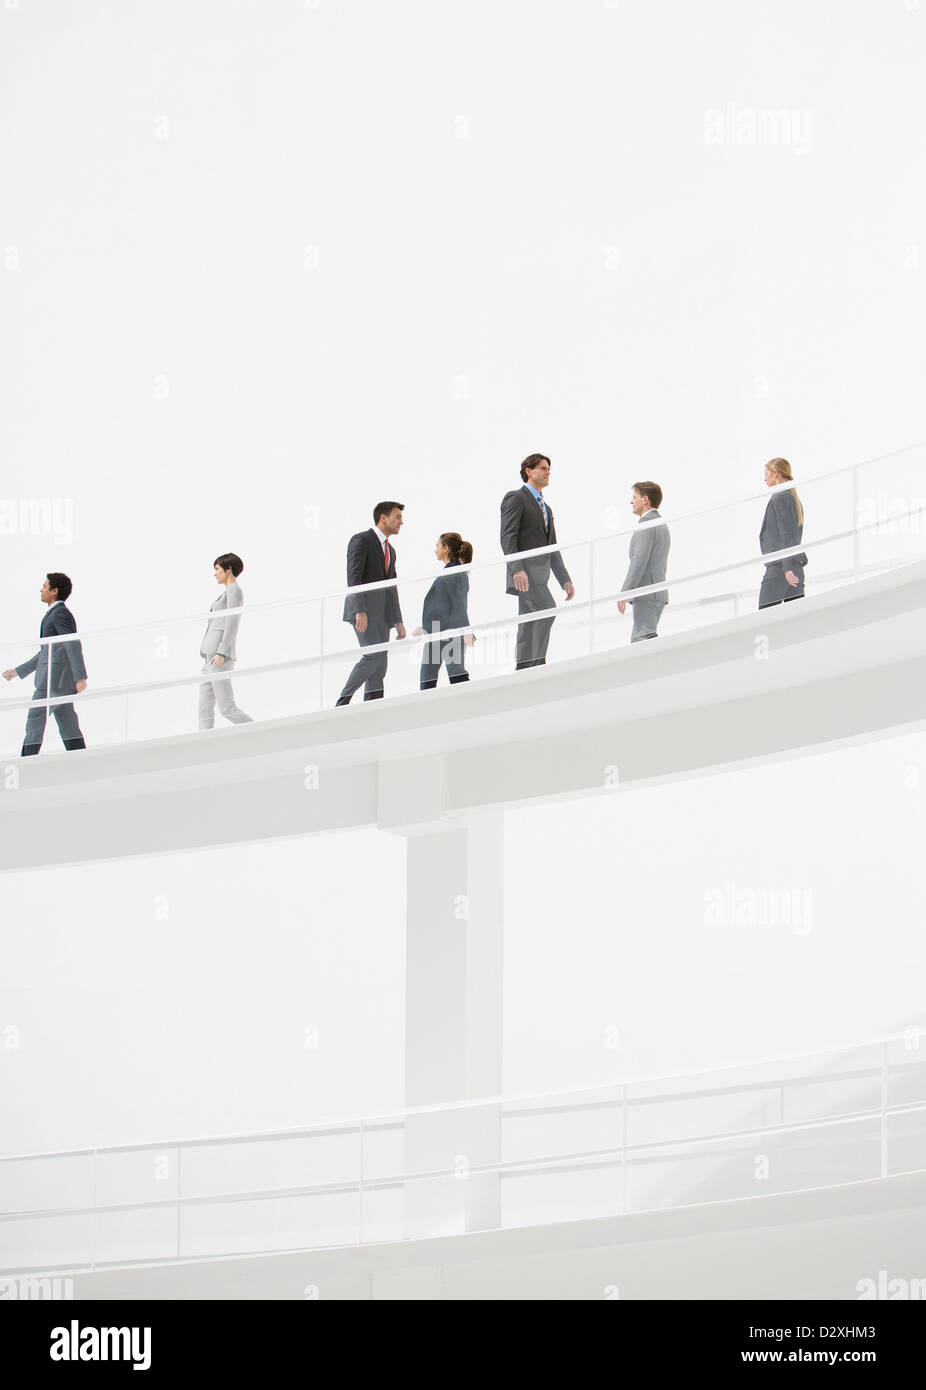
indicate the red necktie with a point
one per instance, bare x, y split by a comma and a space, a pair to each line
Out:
386, 557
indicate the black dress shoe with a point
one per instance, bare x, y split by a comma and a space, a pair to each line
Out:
29, 750
344, 700
373, 695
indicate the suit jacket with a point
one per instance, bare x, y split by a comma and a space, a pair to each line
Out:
445, 603
649, 552
523, 529
220, 637
365, 566
781, 528
67, 658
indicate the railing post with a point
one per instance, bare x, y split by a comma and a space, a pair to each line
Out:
623, 1206
48, 688
855, 538
591, 597
321, 653
360, 1230
93, 1228
179, 1196
884, 1155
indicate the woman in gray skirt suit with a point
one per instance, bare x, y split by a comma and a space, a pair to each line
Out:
782, 527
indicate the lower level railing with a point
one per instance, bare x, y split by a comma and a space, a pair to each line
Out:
851, 1116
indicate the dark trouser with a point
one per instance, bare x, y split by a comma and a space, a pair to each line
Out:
534, 638
66, 719
646, 614
437, 654
776, 589
370, 671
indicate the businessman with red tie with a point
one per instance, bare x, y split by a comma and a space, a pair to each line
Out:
371, 559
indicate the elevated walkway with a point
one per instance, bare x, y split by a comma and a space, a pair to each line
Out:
832, 669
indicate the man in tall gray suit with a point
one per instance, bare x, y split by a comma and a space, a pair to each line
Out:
59, 670
371, 559
219, 647
527, 524
649, 551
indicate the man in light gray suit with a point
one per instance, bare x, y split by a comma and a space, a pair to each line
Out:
219, 649
649, 551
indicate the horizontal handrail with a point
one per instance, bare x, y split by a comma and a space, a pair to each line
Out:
644, 1152
445, 634
614, 534
350, 1124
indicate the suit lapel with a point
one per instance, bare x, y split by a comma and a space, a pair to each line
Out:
532, 501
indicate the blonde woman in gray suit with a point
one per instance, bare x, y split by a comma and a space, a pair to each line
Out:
218, 649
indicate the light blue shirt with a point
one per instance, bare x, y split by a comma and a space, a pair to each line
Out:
544, 510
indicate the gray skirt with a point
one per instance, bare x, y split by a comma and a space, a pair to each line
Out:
776, 589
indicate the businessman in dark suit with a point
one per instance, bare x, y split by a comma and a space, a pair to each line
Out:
371, 559
527, 523
64, 660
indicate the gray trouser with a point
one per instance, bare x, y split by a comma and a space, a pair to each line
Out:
369, 671
213, 692
65, 717
534, 638
646, 614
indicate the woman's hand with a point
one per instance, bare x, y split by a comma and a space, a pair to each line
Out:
469, 638
417, 631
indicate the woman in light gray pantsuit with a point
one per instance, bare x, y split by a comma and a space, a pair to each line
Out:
219, 650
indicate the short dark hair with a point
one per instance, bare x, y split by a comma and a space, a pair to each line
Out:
532, 461
384, 508
230, 561
61, 583
652, 491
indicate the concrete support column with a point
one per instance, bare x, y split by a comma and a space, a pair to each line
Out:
453, 1007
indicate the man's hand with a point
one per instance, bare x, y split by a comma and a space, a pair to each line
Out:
469, 638
360, 622
622, 606
570, 591
80, 686
417, 631
792, 578
9, 675
218, 660
400, 631
521, 581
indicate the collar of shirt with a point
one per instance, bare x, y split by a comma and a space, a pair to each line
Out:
530, 487
380, 537
55, 604
652, 512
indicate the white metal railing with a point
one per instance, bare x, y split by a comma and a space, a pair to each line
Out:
821, 1119
594, 611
